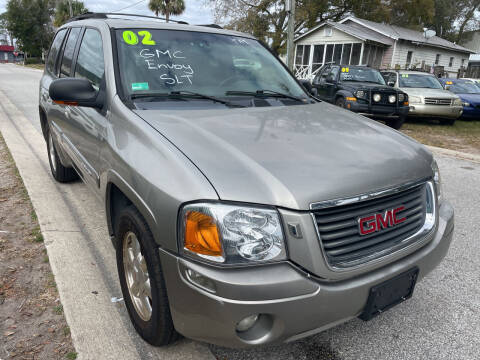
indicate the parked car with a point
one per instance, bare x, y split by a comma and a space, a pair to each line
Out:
427, 97
363, 90
242, 210
469, 93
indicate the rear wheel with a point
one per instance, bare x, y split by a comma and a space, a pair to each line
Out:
60, 173
396, 123
141, 279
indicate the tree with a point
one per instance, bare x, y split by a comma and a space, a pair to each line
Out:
167, 7
62, 11
4, 29
29, 22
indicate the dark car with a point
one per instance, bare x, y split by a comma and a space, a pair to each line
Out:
469, 93
363, 90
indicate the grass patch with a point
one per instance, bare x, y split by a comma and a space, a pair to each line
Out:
462, 136
71, 355
51, 281
58, 309
37, 235
66, 331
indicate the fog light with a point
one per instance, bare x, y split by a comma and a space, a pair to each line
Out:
377, 97
201, 281
247, 323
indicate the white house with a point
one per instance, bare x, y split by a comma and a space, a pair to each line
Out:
354, 41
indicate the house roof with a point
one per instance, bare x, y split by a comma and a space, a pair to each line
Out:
7, 48
361, 34
396, 33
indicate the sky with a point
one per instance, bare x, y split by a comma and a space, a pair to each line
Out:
195, 10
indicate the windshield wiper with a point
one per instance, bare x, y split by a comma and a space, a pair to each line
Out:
264, 93
182, 94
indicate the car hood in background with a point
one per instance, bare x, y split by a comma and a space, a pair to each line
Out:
435, 93
292, 156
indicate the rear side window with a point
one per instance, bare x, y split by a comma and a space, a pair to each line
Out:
66, 67
52, 55
90, 63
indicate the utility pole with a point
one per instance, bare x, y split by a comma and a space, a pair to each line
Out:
70, 8
290, 8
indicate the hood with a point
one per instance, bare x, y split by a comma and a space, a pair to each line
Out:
473, 99
438, 93
291, 156
364, 85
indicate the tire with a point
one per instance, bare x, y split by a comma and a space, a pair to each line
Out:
155, 327
396, 123
340, 102
59, 172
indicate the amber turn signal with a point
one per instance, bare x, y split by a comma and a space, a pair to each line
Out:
62, 102
201, 234
405, 103
351, 98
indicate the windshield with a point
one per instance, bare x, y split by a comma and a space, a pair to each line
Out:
165, 61
361, 74
419, 81
464, 88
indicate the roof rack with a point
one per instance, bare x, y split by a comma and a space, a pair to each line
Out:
92, 15
215, 26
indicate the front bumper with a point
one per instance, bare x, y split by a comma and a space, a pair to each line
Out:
422, 110
293, 303
377, 110
471, 112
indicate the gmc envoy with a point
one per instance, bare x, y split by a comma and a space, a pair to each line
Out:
243, 210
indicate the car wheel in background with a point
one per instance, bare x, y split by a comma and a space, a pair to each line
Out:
60, 173
141, 278
340, 102
396, 123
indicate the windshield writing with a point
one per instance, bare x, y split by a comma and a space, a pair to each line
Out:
361, 75
419, 81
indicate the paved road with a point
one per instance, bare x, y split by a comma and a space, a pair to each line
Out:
441, 321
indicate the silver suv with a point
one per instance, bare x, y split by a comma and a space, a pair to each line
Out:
242, 210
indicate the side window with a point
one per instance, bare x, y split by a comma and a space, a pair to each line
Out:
66, 67
52, 55
332, 76
90, 62
324, 74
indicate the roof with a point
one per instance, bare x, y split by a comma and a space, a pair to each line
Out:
396, 33
6, 48
363, 34
120, 21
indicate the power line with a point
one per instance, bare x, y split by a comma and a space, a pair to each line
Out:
129, 6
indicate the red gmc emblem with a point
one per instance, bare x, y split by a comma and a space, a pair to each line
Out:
377, 222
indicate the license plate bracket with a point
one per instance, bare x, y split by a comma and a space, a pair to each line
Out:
390, 293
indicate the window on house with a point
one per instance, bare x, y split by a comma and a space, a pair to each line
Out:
450, 63
437, 59
409, 58
337, 54
355, 57
303, 55
329, 54
366, 54
328, 31
317, 61
463, 62
347, 48
299, 55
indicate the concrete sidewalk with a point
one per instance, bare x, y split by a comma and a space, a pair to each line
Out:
82, 258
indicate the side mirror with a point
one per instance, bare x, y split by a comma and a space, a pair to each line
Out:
307, 85
391, 83
75, 92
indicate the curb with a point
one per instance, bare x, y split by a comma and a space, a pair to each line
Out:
455, 154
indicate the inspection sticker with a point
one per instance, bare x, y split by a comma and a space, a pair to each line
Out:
140, 86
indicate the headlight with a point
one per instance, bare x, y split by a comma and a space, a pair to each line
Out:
392, 99
466, 104
359, 93
457, 102
415, 99
401, 97
377, 97
436, 179
231, 234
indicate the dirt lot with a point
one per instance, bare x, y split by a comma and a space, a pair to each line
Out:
32, 324
462, 136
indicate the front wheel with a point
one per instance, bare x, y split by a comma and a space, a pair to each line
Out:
340, 102
141, 279
396, 123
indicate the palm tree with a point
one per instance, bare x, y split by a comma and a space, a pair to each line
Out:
167, 7
62, 11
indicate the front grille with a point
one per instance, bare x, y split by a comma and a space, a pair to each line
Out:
338, 226
435, 101
384, 99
